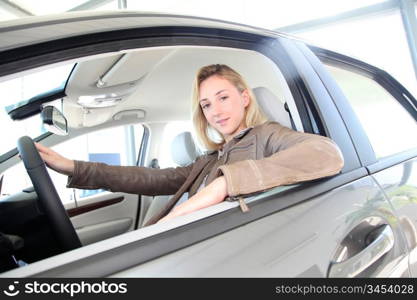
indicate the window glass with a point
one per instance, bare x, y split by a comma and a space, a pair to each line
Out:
16, 92
379, 40
6, 15
52, 6
263, 13
19, 91
15, 179
94, 146
390, 128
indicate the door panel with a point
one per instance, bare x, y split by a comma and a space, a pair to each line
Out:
299, 241
400, 186
382, 121
106, 220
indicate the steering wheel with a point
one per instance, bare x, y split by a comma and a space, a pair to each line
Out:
48, 197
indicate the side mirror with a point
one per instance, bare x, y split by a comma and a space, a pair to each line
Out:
54, 121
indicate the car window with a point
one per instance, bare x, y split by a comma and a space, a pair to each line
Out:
19, 91
390, 128
95, 146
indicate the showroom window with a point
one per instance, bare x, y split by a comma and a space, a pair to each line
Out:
390, 128
388, 49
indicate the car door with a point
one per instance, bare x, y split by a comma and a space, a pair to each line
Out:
339, 226
342, 227
387, 112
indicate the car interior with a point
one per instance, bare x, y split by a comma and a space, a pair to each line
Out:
151, 87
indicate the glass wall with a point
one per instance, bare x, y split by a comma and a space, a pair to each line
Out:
262, 13
378, 40
14, 9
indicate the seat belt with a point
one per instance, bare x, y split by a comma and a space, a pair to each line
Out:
289, 113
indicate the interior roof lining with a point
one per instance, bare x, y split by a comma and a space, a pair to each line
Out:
186, 60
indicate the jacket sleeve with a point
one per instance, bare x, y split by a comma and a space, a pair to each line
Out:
128, 179
290, 157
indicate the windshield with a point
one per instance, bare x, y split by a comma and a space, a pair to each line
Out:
17, 92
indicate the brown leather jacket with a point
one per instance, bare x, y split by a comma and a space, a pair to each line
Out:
257, 159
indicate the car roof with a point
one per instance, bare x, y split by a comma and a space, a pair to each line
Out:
33, 30
147, 97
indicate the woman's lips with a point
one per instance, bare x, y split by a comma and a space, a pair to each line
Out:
222, 121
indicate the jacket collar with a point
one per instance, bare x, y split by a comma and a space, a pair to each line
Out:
242, 133
237, 137
233, 141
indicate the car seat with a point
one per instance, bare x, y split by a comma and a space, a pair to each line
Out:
183, 152
273, 108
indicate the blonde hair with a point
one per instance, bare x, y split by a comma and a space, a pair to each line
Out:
253, 114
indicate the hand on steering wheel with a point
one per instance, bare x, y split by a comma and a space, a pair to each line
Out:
48, 197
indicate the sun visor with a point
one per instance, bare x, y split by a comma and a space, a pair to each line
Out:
131, 66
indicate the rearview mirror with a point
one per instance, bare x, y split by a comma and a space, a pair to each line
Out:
54, 121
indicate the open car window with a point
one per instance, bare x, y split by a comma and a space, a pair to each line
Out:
154, 86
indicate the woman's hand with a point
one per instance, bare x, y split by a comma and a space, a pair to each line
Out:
212, 194
56, 161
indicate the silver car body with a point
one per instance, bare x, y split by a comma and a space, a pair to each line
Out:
360, 223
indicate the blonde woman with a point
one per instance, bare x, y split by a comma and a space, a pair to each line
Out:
253, 154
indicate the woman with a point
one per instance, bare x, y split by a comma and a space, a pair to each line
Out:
252, 155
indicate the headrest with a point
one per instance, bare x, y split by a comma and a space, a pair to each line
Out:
272, 107
183, 149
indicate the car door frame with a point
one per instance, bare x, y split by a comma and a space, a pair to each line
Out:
359, 138
369, 160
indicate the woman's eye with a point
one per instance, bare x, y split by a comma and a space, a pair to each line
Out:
205, 106
224, 98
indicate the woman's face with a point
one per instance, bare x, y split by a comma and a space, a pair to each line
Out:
223, 105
